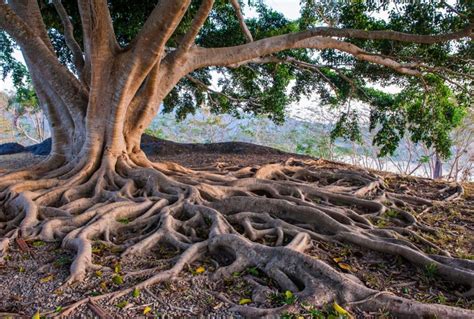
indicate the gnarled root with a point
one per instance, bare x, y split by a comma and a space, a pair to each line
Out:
265, 217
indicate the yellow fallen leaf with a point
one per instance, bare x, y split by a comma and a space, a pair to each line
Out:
339, 309
245, 301
288, 294
338, 259
36, 315
146, 310
345, 266
200, 270
46, 279
58, 292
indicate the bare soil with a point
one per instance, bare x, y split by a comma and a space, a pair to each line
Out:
32, 276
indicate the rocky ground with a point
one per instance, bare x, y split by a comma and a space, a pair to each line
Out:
31, 277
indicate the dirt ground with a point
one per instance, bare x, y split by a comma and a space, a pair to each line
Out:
31, 279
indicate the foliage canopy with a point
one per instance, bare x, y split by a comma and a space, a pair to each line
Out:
427, 108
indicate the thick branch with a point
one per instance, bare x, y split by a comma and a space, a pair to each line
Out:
69, 37
240, 17
29, 11
316, 39
160, 25
98, 31
198, 22
254, 50
45, 62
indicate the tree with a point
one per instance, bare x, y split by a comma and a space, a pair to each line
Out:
24, 108
102, 79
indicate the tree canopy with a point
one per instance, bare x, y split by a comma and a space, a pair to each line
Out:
432, 101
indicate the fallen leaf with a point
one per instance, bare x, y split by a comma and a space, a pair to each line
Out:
345, 266
339, 309
117, 279
122, 304
136, 293
98, 273
46, 279
338, 259
288, 294
146, 310
22, 244
200, 270
245, 301
117, 268
58, 292
36, 315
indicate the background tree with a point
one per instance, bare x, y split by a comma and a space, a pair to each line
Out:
102, 69
28, 119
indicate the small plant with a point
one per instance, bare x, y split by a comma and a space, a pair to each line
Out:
124, 221
441, 298
62, 261
430, 271
117, 279
38, 243
253, 271
286, 298
392, 213
122, 304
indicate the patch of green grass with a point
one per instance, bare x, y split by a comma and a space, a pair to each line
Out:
253, 271
430, 271
392, 213
285, 298
38, 243
124, 221
62, 261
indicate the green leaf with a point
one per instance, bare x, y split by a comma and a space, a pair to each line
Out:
117, 279
122, 304
136, 293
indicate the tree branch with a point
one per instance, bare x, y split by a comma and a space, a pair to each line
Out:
42, 60
29, 11
69, 37
98, 32
318, 38
240, 17
207, 88
198, 22
231, 56
150, 42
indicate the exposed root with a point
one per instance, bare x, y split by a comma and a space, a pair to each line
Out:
265, 217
